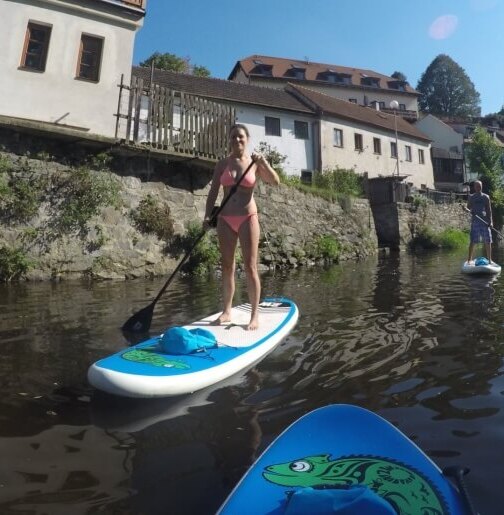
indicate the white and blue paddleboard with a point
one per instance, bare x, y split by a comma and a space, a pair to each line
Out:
144, 370
334, 452
474, 268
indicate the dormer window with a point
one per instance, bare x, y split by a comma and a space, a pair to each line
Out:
296, 72
262, 69
399, 85
334, 77
370, 81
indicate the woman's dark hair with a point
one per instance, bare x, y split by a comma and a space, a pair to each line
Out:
239, 126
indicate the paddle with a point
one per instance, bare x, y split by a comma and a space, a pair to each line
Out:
141, 321
485, 222
457, 473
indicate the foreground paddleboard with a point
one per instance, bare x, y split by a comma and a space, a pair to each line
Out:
143, 370
491, 268
336, 447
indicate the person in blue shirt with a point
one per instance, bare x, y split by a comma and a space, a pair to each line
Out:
481, 225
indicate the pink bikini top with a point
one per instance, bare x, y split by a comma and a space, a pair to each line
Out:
227, 179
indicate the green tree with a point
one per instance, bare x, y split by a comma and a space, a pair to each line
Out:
446, 90
200, 71
174, 63
485, 157
399, 76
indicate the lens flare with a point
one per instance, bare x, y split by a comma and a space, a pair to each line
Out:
443, 26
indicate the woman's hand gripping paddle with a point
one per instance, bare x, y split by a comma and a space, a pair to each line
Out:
141, 321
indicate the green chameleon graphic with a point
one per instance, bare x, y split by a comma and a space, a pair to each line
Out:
150, 357
405, 489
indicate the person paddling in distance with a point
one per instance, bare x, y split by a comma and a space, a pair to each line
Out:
239, 219
481, 224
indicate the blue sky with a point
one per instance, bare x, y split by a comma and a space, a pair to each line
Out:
380, 35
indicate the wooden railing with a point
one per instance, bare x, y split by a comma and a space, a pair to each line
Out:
173, 121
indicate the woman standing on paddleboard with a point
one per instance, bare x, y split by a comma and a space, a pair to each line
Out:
238, 219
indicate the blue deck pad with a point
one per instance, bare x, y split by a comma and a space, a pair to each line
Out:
148, 359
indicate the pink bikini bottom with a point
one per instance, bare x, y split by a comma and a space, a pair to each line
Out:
236, 221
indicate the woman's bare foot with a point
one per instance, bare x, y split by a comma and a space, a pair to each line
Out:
253, 324
224, 318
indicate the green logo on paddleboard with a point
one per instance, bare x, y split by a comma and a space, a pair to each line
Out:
405, 489
149, 356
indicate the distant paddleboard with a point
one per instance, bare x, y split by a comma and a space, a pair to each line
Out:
480, 266
148, 370
345, 457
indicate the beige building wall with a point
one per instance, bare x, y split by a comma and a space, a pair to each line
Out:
55, 95
374, 163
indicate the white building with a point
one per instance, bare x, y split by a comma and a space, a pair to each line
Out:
62, 60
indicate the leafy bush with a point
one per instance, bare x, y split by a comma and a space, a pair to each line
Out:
21, 194
453, 239
84, 193
327, 247
150, 217
339, 180
13, 264
427, 238
206, 255
275, 159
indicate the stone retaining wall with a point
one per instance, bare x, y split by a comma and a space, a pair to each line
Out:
292, 221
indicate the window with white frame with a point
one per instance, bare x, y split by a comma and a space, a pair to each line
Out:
272, 126
407, 150
421, 156
338, 138
300, 130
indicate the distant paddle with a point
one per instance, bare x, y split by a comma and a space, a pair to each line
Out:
141, 321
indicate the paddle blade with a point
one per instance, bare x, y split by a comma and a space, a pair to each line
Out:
140, 322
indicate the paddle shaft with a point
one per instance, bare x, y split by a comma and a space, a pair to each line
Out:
485, 222
146, 313
458, 473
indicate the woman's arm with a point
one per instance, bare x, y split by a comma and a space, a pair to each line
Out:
214, 190
265, 171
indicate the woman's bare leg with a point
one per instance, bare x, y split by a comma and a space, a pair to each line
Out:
227, 245
249, 242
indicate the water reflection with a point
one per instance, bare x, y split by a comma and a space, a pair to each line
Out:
407, 336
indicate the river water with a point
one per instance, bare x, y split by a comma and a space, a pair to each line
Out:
408, 337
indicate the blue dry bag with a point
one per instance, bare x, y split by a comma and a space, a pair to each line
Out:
178, 340
481, 261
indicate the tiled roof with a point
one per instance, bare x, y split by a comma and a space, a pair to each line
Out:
220, 89
341, 108
281, 68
